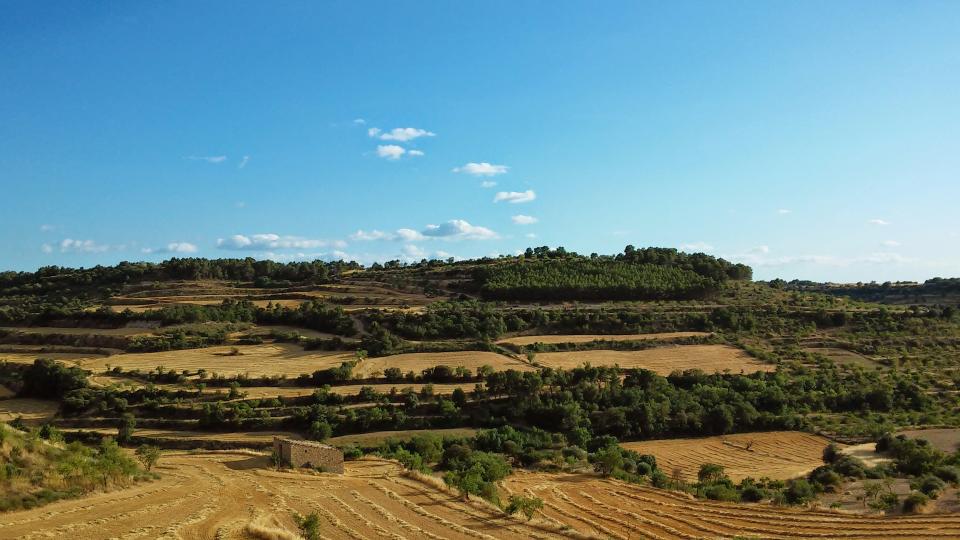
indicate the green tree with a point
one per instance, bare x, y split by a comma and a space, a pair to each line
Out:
309, 525
148, 455
528, 506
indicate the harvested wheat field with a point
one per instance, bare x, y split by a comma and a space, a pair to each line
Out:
275, 359
663, 360
235, 495
25, 354
613, 509
417, 362
587, 338
946, 439
33, 411
124, 331
779, 455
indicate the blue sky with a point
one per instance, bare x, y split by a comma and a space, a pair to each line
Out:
813, 140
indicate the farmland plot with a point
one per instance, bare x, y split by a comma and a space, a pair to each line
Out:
663, 360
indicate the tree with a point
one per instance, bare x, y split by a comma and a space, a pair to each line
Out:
607, 460
309, 525
710, 472
148, 455
319, 431
125, 430
528, 506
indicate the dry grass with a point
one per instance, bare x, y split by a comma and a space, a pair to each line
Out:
777, 454
663, 360
417, 362
255, 360
587, 338
33, 411
946, 439
81, 331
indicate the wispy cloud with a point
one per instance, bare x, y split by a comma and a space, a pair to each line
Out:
359, 121
488, 184
415, 152
46, 228
208, 159
697, 247
173, 247
274, 241
482, 169
69, 245
399, 134
243, 162
878, 221
370, 235
390, 151
409, 235
515, 196
891, 243
521, 219
458, 229
784, 211
46, 248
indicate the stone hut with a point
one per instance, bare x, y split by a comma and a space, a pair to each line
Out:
308, 454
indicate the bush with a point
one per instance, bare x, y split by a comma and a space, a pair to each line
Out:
309, 525
948, 474
528, 506
929, 485
914, 502
799, 491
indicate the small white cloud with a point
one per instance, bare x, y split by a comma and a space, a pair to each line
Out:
414, 252
46, 228
482, 169
46, 248
415, 152
521, 219
488, 184
390, 151
457, 229
891, 243
369, 235
784, 211
877, 221
530, 235
180, 247
761, 249
359, 121
400, 134
409, 235
273, 241
515, 196
243, 162
696, 247
68, 245
208, 159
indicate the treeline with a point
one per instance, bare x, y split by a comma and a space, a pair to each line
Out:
311, 314
56, 278
586, 279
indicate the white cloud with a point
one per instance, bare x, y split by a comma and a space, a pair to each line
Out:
891, 243
409, 235
761, 260
877, 221
359, 121
760, 249
400, 134
515, 196
68, 245
482, 169
243, 162
371, 235
784, 211
208, 159
414, 252
46, 228
46, 248
390, 151
458, 229
521, 219
697, 247
530, 235
180, 247
274, 241
415, 153
487, 184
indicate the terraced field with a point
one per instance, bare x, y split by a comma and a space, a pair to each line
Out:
417, 362
663, 360
779, 455
587, 338
235, 495
613, 509
33, 411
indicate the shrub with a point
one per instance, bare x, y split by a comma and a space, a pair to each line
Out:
799, 491
528, 506
309, 525
914, 502
929, 485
